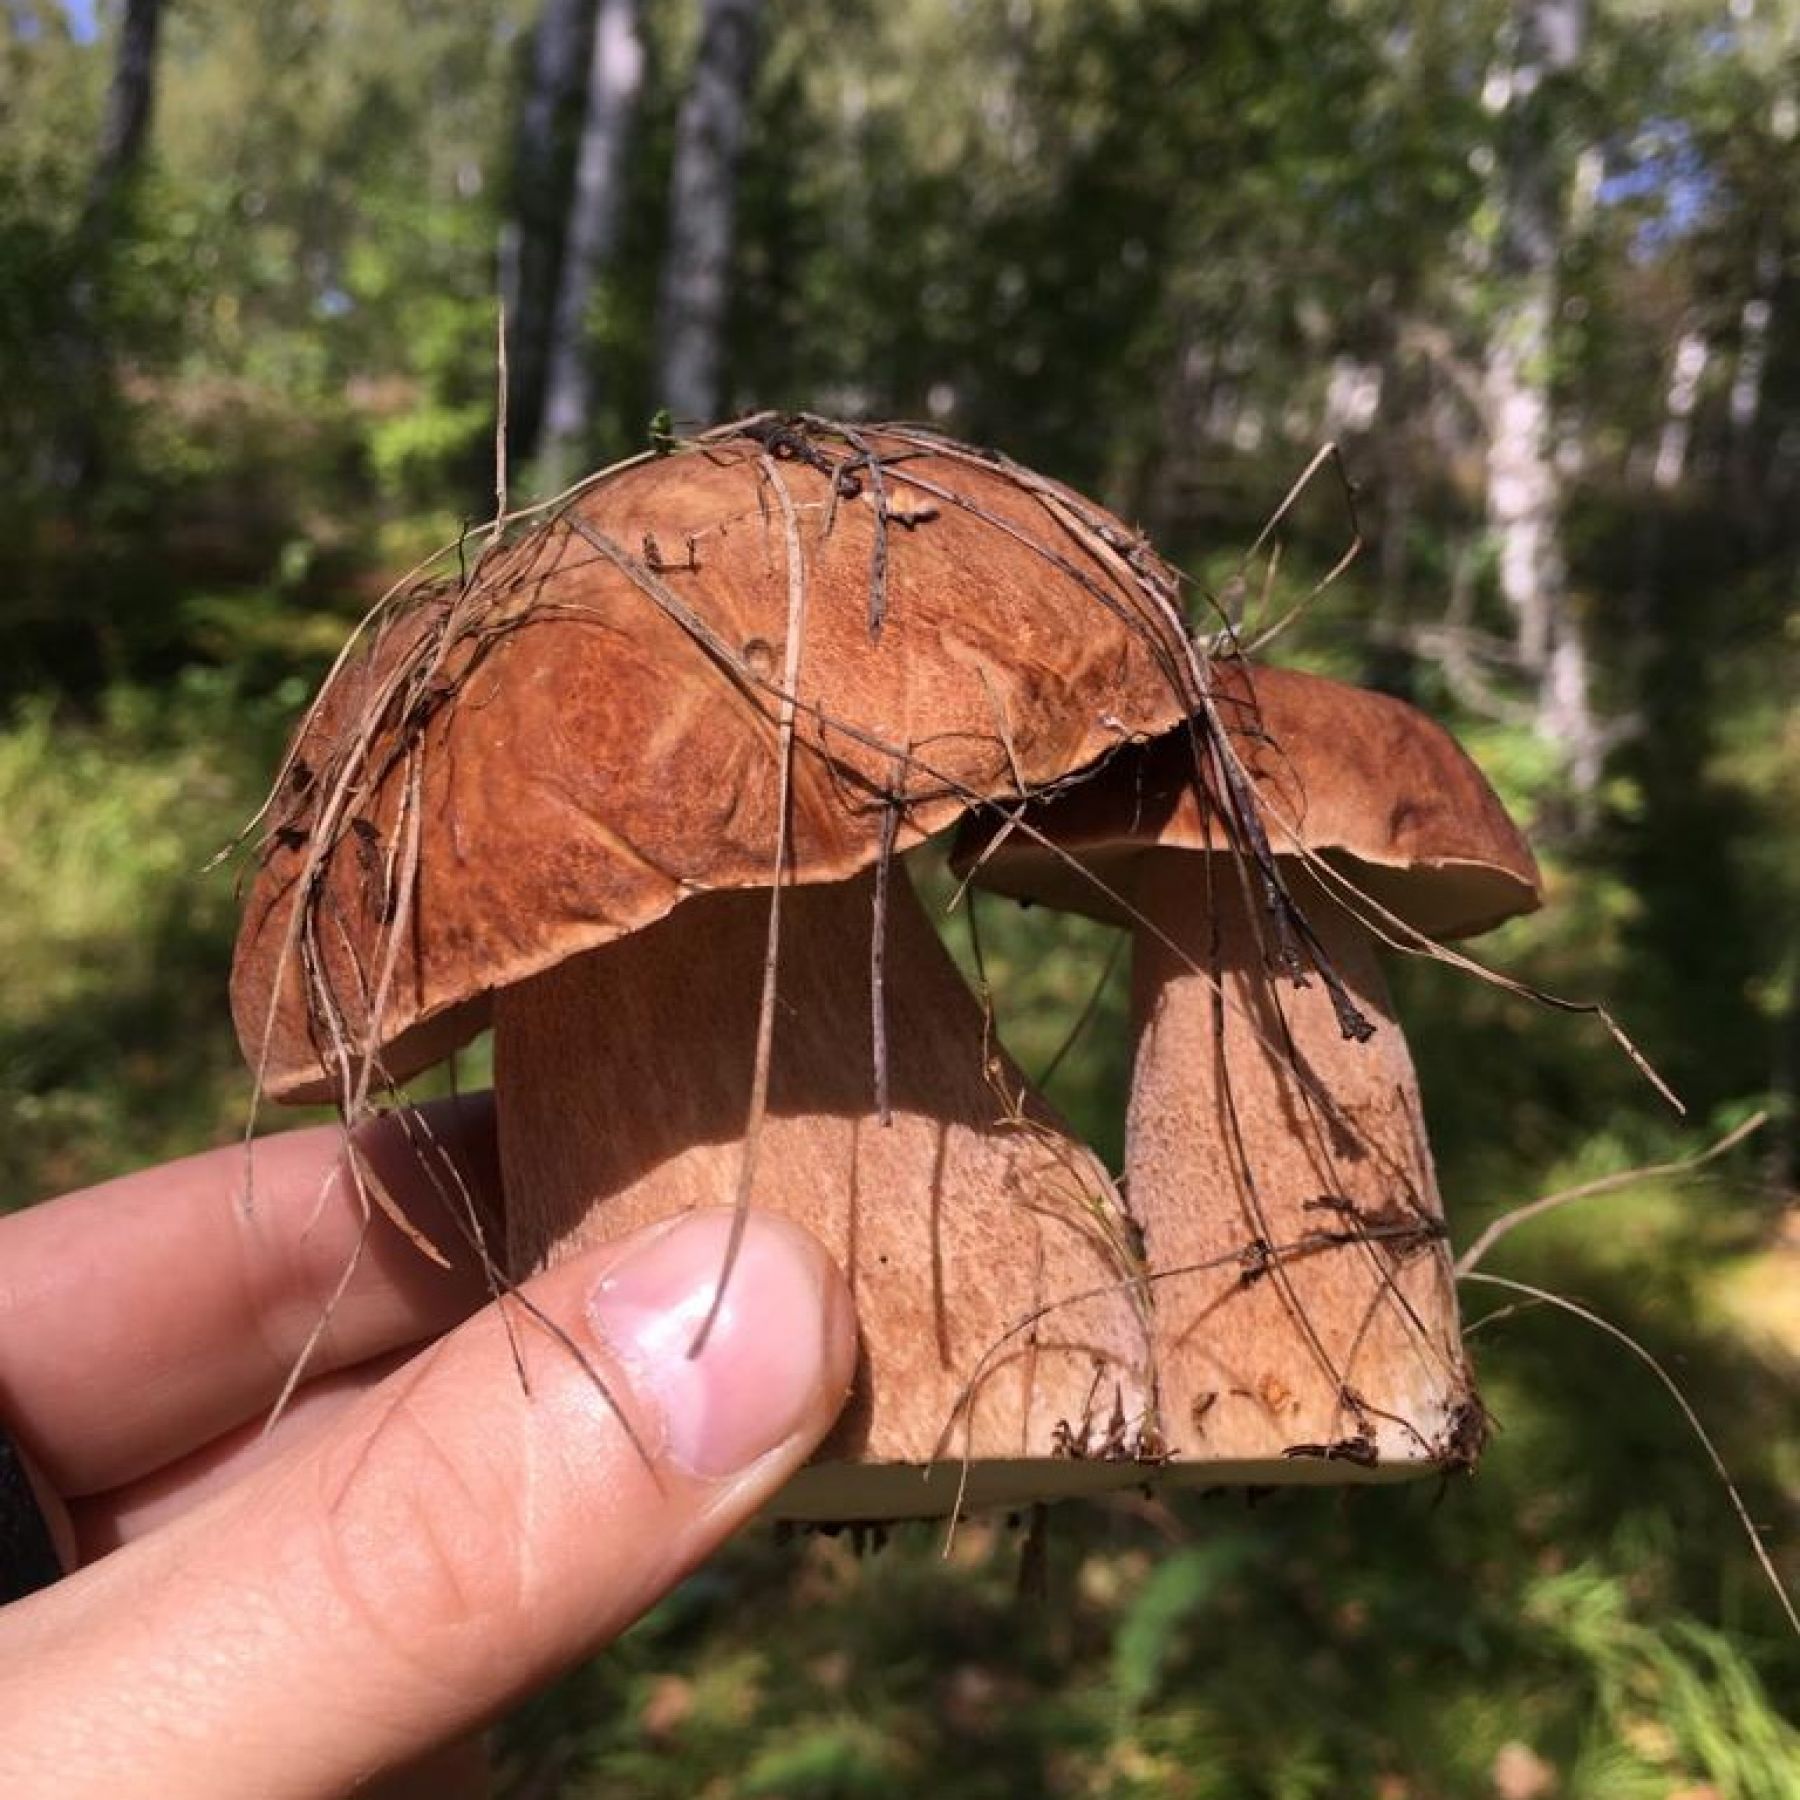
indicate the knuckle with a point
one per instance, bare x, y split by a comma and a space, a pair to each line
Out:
425, 1539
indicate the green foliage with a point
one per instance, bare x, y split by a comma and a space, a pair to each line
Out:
841, 1759
1178, 1588
1676, 1698
1312, 1646
115, 1044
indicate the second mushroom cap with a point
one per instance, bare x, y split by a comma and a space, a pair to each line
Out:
1303, 1310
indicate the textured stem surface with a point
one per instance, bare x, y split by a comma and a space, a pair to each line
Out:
1285, 1169
624, 1078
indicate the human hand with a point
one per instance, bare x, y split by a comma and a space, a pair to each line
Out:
420, 1540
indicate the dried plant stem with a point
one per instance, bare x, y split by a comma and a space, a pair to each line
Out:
765, 1015
1085, 1017
1604, 1184
1327, 454
1408, 940
501, 400
1562, 1304
878, 937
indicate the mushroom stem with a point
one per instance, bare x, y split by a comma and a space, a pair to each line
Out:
987, 1250
1284, 1170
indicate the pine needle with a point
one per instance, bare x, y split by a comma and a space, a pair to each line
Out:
1544, 1297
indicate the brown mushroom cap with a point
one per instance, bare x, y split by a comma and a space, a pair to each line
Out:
565, 748
1369, 784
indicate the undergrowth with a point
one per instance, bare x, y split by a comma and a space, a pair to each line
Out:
1581, 1607
1380, 1643
115, 1042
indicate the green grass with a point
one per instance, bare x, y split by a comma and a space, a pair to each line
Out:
115, 1041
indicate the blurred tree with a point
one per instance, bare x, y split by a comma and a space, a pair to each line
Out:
129, 103
696, 275
615, 78
105, 219
1529, 89
531, 240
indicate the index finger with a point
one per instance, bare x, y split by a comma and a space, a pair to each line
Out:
141, 1318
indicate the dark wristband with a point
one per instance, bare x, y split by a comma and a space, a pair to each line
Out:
28, 1559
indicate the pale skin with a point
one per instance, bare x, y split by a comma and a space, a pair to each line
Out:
340, 1604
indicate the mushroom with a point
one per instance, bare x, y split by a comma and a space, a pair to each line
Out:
631, 791
1304, 1311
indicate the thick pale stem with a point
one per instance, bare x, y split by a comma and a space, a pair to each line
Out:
624, 1079
1284, 1169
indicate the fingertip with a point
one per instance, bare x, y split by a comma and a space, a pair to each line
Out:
739, 1338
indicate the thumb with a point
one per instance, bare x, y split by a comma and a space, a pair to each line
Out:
453, 1541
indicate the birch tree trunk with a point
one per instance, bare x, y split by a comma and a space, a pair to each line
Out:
1745, 405
531, 240
703, 210
615, 80
1524, 485
1692, 353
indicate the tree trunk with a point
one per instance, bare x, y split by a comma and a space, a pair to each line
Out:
1753, 343
614, 82
703, 209
130, 101
1745, 407
1524, 485
531, 241
79, 444
1692, 353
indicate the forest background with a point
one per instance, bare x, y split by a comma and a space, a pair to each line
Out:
1531, 266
